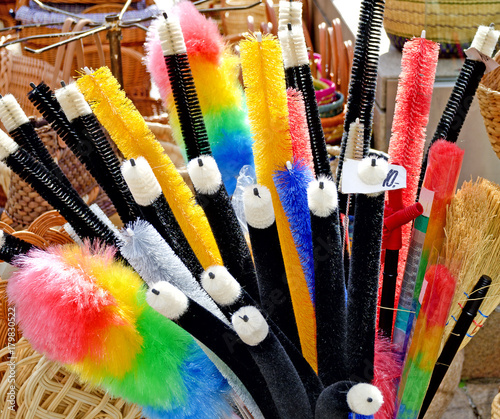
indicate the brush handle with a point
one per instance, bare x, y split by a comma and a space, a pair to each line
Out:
272, 282
13, 246
229, 238
281, 378
301, 79
187, 105
330, 298
161, 217
225, 343
105, 167
362, 287
26, 136
456, 110
75, 211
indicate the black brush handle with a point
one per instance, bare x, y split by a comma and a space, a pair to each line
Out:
456, 110
362, 287
272, 282
225, 343
75, 211
106, 166
229, 238
301, 79
386, 312
330, 298
13, 247
187, 105
288, 392
455, 339
26, 136
161, 217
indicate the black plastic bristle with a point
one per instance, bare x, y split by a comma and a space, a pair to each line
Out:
13, 247
456, 110
73, 209
188, 108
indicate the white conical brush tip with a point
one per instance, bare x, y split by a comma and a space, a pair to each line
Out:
491, 42
354, 146
250, 325
170, 34
293, 46
290, 11
205, 174
258, 203
322, 196
11, 114
480, 37
7, 145
364, 399
72, 101
372, 170
423, 34
141, 180
220, 285
167, 300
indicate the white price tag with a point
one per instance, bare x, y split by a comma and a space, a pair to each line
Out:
351, 183
490, 63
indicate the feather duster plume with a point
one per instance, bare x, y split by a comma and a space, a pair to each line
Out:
116, 340
215, 72
132, 136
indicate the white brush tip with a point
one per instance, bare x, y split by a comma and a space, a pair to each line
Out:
141, 180
167, 300
72, 101
205, 174
220, 285
7, 145
423, 34
2, 238
373, 171
490, 42
170, 34
480, 38
250, 325
322, 196
11, 114
258, 204
364, 399
258, 35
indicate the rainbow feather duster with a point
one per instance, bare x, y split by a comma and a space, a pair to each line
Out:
215, 71
96, 321
132, 136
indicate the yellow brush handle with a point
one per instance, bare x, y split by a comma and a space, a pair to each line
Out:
265, 90
132, 136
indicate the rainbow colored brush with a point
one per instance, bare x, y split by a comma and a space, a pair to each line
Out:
215, 72
92, 316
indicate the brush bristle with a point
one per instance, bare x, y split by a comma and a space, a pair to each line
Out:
2, 238
167, 300
322, 196
141, 181
205, 175
480, 38
11, 113
290, 12
293, 45
258, 203
221, 285
490, 42
250, 325
72, 101
171, 38
442, 151
354, 147
7, 145
301, 146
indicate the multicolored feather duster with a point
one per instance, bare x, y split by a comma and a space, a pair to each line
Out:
215, 71
92, 316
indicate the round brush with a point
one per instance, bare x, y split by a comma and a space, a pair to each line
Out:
152, 202
94, 145
212, 197
266, 250
23, 133
75, 211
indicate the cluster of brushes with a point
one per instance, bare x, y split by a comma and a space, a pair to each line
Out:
177, 313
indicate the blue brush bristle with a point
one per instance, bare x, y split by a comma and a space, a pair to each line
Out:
292, 190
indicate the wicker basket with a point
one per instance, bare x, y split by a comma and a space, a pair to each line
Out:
488, 94
333, 128
24, 204
452, 24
